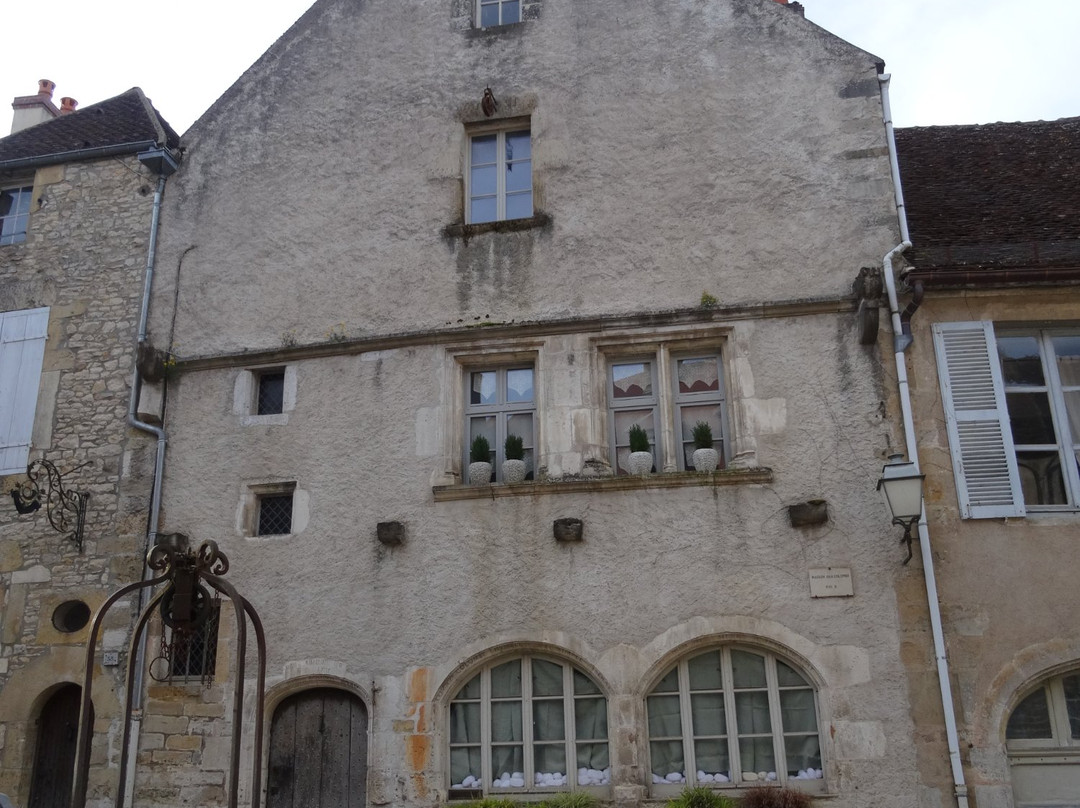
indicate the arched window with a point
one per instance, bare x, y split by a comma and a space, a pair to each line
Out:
733, 716
528, 724
1043, 736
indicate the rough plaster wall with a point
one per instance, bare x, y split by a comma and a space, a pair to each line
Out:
736, 149
84, 258
1007, 600
474, 573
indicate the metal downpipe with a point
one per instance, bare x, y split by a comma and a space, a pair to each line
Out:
933, 605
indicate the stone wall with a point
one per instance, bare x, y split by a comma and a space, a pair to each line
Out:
84, 258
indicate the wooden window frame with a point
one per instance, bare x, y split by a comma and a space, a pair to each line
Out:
500, 129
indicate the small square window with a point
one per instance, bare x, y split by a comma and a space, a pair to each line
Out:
275, 515
500, 176
497, 12
14, 214
270, 398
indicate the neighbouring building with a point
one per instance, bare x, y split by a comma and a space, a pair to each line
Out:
77, 192
409, 226
994, 215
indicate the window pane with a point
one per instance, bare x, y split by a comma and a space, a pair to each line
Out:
505, 721
507, 767
471, 690
667, 761
757, 755
711, 757
483, 210
465, 722
664, 718
519, 206
669, 684
803, 757
752, 713
707, 710
483, 390
271, 393
1040, 478
1071, 685
797, 712
518, 145
550, 759
1029, 415
483, 149
593, 756
1072, 412
511, 12
1067, 350
1030, 719
748, 670
632, 380
1020, 362
518, 178
590, 719
704, 672
547, 678
699, 376
483, 425
465, 762
786, 676
506, 679
549, 721
624, 419
275, 515
8, 202
483, 181
519, 385
583, 685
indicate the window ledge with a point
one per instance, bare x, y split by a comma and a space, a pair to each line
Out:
277, 419
467, 231
682, 479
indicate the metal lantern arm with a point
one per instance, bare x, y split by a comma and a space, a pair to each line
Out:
901, 486
66, 509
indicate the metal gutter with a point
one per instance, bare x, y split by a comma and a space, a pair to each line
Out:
76, 155
984, 276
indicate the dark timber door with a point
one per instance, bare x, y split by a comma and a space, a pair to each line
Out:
54, 758
318, 751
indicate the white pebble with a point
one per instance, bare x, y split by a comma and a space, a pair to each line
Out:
770, 776
674, 777
721, 778
656, 778
749, 777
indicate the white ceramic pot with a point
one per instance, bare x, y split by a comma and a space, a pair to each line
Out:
513, 471
479, 473
706, 459
640, 463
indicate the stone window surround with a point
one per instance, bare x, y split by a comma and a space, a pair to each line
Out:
247, 512
664, 343
246, 390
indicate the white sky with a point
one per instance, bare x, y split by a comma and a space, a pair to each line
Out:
952, 61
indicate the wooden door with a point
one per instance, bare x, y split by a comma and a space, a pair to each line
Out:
54, 758
318, 751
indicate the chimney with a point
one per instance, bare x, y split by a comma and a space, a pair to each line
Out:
794, 6
67, 105
30, 110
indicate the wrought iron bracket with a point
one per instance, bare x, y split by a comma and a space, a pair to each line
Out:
66, 509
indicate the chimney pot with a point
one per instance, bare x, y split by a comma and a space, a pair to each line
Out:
67, 105
46, 87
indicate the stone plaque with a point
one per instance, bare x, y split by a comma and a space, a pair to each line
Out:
831, 582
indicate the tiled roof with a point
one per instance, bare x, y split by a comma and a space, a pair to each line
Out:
1001, 195
127, 118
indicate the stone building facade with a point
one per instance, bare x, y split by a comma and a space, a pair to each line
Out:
403, 229
994, 222
76, 224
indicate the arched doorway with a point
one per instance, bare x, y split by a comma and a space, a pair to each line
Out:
54, 755
318, 751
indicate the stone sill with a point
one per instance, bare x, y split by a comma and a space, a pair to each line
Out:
681, 479
467, 231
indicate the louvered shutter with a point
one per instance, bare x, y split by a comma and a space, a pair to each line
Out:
22, 346
980, 438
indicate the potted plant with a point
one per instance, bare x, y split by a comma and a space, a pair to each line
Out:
641, 459
706, 457
513, 467
479, 461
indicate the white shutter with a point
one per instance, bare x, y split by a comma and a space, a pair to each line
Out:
22, 346
980, 438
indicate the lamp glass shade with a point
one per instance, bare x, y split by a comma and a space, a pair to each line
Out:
901, 485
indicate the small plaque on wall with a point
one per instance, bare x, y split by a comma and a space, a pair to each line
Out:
831, 582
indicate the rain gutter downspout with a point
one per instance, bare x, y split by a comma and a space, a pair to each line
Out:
155, 495
901, 344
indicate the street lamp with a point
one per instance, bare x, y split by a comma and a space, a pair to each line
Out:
901, 485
